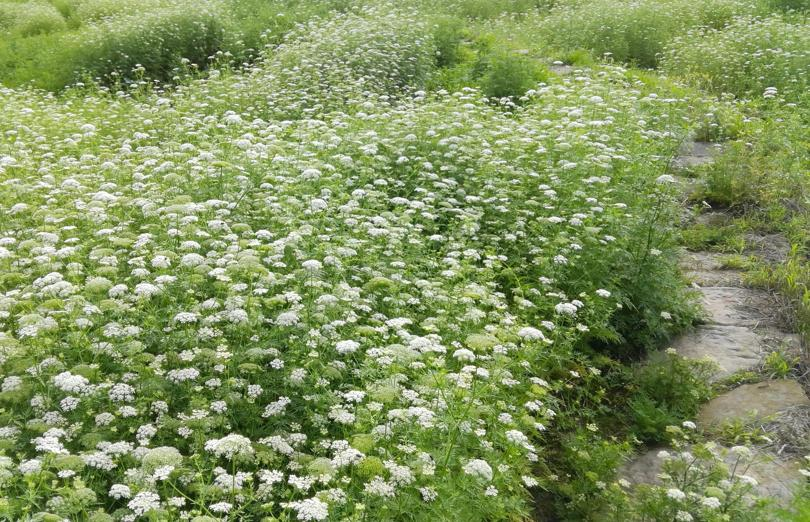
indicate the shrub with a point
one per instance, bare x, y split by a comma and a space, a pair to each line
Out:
30, 18
700, 481
752, 57
509, 74
668, 390
634, 31
764, 169
156, 41
448, 34
788, 5
111, 36
485, 9
96, 10
404, 288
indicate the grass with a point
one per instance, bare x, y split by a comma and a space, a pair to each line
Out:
752, 57
376, 263
54, 46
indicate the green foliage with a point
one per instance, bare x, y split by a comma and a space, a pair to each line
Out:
20, 20
701, 481
668, 390
588, 462
96, 10
752, 57
779, 364
764, 168
439, 284
799, 508
448, 34
633, 31
485, 9
53, 46
788, 5
509, 74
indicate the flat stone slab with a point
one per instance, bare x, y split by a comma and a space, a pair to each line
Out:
706, 269
561, 69
771, 248
695, 154
759, 400
733, 348
707, 278
734, 306
713, 219
776, 479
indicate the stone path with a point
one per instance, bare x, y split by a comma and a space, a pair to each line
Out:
741, 327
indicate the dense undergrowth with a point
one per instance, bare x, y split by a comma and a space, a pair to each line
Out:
53, 45
391, 268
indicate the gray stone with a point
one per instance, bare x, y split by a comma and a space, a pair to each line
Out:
760, 400
771, 248
735, 306
644, 467
706, 269
733, 348
561, 70
701, 261
713, 219
695, 154
777, 479
714, 277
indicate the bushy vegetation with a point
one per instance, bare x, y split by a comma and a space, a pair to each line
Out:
29, 19
107, 41
669, 391
634, 31
767, 57
390, 267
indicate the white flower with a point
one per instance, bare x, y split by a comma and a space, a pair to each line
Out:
221, 507
566, 309
119, 491
349, 346
478, 468
464, 354
309, 509
30, 466
67, 382
312, 265
287, 319
676, 494
144, 502
531, 334
428, 494
711, 502
742, 451
230, 446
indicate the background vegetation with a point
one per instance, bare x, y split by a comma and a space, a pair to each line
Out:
430, 244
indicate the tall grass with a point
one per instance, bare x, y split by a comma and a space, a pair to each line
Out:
634, 31
156, 40
30, 18
107, 39
747, 58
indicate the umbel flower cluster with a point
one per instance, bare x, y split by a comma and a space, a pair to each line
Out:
311, 291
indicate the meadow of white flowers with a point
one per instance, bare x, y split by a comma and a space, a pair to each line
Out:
312, 290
